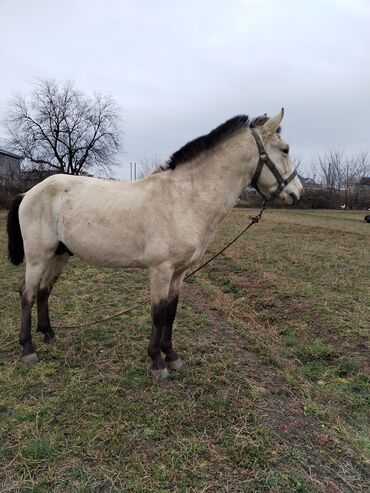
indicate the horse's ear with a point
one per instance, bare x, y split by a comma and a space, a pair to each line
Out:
272, 124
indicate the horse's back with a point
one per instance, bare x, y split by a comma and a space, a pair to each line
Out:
102, 221
111, 223
60, 190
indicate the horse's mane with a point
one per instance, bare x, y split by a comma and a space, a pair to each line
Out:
195, 147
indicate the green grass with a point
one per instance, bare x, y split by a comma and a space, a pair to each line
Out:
274, 395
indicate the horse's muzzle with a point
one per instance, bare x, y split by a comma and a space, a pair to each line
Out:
294, 198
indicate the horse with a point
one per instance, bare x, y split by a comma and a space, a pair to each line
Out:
163, 222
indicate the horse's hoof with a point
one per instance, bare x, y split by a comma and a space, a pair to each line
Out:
54, 340
175, 365
161, 374
30, 358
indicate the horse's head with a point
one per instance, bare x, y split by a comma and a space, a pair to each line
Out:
275, 175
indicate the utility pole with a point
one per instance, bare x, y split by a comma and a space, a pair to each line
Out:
132, 171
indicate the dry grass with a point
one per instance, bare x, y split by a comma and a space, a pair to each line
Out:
274, 396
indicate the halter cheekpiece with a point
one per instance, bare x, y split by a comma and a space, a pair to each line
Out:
265, 160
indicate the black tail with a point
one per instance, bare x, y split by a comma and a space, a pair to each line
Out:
15, 240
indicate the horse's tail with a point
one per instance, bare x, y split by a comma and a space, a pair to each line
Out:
15, 240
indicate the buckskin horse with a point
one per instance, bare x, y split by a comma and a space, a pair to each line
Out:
163, 222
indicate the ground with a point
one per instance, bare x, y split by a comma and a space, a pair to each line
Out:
274, 395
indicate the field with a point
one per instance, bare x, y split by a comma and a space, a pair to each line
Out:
274, 395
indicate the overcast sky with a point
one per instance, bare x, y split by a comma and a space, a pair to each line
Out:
180, 68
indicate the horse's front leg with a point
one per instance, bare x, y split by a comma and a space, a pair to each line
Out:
160, 280
172, 359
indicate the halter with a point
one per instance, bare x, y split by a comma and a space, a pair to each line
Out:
265, 160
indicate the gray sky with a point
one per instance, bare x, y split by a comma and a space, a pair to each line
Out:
180, 68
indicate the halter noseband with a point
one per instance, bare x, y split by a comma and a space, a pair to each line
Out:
265, 160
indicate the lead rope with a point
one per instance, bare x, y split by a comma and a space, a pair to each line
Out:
253, 220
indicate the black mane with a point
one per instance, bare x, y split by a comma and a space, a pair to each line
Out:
195, 147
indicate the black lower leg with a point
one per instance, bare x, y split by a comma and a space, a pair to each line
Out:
25, 337
159, 315
43, 320
166, 340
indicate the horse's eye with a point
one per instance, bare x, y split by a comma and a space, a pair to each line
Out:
286, 150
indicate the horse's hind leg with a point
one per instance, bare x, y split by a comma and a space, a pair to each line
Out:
32, 280
172, 359
53, 271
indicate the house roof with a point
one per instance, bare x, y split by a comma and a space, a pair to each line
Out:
11, 154
308, 182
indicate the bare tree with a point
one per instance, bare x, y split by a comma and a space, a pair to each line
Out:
314, 173
147, 166
60, 128
337, 172
330, 166
297, 163
356, 168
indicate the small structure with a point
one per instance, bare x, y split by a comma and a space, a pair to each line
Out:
363, 184
309, 183
10, 166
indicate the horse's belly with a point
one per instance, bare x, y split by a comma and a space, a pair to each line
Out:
106, 250
109, 260
133, 242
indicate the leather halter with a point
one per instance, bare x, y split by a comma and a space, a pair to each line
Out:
265, 160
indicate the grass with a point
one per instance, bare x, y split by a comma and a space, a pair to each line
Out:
274, 395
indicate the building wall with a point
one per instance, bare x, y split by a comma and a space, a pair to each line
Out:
10, 166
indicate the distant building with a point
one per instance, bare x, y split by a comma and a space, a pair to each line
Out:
363, 184
11, 173
10, 166
308, 182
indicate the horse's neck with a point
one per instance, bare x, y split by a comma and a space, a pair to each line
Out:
216, 180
